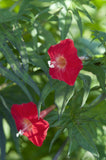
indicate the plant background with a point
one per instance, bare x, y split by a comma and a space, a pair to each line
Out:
27, 29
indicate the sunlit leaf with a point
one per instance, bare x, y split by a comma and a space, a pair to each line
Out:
63, 94
86, 86
2, 139
78, 19
6, 113
99, 72
65, 20
16, 66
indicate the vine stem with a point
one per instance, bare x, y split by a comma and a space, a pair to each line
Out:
94, 103
97, 100
60, 149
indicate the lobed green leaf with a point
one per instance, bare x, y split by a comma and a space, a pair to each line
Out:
85, 139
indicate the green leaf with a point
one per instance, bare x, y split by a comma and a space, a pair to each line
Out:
59, 152
65, 19
99, 72
11, 92
78, 19
11, 76
15, 38
47, 35
55, 138
83, 10
92, 127
4, 110
2, 139
85, 139
70, 143
101, 36
6, 16
86, 47
19, 45
49, 87
63, 94
15, 65
77, 99
86, 86
38, 61
25, 9
73, 145
98, 108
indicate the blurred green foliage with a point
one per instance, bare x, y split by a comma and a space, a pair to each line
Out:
27, 29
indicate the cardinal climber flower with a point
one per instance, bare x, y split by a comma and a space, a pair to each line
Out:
28, 123
64, 63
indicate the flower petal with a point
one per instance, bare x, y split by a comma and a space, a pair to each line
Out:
65, 47
23, 111
38, 132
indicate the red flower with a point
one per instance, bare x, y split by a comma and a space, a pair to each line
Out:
65, 64
28, 124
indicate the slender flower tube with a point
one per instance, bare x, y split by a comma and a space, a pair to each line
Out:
28, 123
64, 63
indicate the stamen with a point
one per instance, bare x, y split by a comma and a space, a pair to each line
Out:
61, 62
28, 126
20, 133
51, 64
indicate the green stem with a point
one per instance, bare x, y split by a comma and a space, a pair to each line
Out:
60, 149
94, 103
97, 100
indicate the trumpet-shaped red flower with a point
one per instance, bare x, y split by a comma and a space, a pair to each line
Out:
28, 123
64, 65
